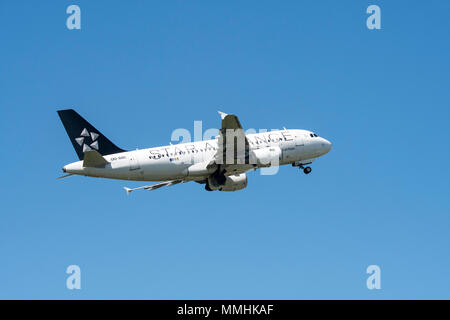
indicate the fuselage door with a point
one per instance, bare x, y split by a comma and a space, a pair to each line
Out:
288, 149
299, 141
134, 162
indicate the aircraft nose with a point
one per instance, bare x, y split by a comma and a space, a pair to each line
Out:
327, 145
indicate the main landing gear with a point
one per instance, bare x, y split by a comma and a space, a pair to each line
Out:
306, 170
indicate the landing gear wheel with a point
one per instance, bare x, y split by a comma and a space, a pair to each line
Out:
307, 170
207, 187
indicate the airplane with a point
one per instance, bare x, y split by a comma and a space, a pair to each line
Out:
220, 163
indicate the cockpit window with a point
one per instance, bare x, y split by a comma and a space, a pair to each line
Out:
315, 135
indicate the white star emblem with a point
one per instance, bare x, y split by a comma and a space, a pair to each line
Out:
85, 135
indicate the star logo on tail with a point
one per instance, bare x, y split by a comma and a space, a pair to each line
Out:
86, 135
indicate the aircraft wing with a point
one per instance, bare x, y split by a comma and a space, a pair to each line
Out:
154, 186
233, 146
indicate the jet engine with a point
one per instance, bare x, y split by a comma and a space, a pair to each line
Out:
231, 183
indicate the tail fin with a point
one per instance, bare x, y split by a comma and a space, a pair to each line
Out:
84, 136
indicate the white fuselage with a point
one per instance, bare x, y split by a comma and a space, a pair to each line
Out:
188, 161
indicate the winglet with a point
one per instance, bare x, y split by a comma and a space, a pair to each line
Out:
222, 114
128, 190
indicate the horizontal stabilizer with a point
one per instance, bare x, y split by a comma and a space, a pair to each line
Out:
94, 159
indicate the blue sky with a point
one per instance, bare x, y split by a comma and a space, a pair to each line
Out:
138, 70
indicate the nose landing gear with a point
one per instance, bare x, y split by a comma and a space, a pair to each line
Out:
306, 170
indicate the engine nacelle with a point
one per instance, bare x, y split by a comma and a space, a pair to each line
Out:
266, 157
232, 183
